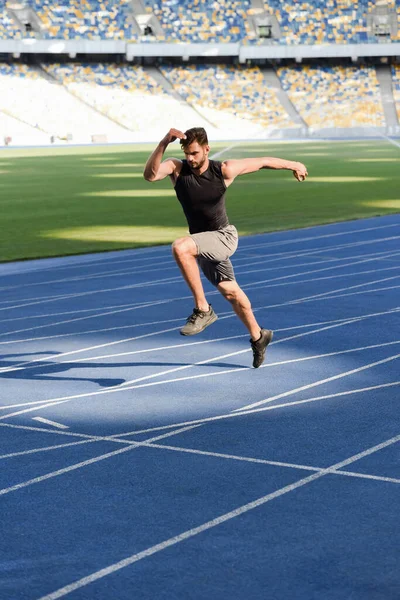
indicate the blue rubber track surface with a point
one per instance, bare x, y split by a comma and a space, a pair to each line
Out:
137, 463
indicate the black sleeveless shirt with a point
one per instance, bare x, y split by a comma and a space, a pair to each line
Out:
202, 197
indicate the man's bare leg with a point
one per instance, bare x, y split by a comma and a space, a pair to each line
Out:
241, 305
185, 252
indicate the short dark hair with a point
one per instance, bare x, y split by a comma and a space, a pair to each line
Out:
195, 134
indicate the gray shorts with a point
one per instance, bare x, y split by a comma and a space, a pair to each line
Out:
213, 251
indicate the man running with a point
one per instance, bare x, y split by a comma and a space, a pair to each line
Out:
200, 185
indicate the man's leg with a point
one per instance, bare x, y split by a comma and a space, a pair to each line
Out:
241, 305
260, 338
185, 252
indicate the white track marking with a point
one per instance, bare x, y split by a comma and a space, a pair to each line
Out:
270, 281
133, 352
112, 389
174, 346
101, 275
107, 312
132, 383
35, 362
243, 368
300, 240
68, 312
272, 463
85, 463
269, 284
173, 266
158, 302
45, 449
317, 383
106, 259
231, 415
118, 436
52, 423
212, 523
26, 366
43, 300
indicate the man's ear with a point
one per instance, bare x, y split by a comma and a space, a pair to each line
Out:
207, 148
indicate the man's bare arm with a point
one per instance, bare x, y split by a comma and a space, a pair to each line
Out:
155, 170
234, 168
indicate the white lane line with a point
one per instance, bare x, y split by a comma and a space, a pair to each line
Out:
107, 312
125, 387
243, 368
174, 346
135, 307
101, 275
172, 266
222, 356
85, 463
238, 268
106, 260
69, 312
270, 281
231, 415
317, 383
212, 523
43, 300
48, 422
37, 361
302, 240
118, 437
268, 462
45, 449
130, 307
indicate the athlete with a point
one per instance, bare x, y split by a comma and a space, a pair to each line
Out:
200, 185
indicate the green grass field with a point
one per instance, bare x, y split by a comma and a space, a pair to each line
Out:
60, 201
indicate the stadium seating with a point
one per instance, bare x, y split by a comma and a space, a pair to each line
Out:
27, 96
202, 20
219, 91
323, 21
300, 21
91, 19
8, 28
396, 87
334, 96
126, 95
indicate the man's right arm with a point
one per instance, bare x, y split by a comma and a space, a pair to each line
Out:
155, 170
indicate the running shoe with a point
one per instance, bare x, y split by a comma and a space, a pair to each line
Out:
198, 321
259, 347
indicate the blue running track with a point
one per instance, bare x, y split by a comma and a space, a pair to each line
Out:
137, 463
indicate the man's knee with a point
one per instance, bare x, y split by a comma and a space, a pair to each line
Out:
230, 290
184, 246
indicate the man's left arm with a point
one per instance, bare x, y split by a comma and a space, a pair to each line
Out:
233, 168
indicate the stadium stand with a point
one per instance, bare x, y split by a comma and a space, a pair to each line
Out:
127, 95
9, 29
26, 95
396, 87
299, 21
91, 19
202, 20
334, 96
223, 90
324, 21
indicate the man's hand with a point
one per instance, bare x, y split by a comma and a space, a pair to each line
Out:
173, 135
300, 171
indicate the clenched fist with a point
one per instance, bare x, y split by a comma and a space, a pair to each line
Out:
300, 171
173, 135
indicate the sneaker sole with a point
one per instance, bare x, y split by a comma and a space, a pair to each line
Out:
210, 322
